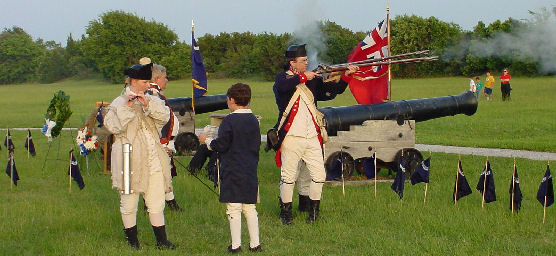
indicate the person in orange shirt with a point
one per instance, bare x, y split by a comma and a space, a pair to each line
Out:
505, 86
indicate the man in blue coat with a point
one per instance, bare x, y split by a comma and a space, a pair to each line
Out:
301, 131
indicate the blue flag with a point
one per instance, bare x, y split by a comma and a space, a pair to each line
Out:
546, 189
369, 166
99, 117
399, 180
29, 145
8, 141
11, 171
421, 173
197, 70
461, 185
515, 192
489, 192
75, 173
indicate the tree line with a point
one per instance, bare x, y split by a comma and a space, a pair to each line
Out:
118, 39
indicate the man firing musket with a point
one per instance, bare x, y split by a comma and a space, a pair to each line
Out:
300, 131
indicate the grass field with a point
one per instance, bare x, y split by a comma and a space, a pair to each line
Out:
41, 217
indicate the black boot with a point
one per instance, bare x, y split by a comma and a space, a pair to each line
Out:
286, 212
304, 203
131, 236
161, 240
313, 211
173, 205
233, 251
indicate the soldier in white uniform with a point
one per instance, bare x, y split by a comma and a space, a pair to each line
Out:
137, 118
300, 129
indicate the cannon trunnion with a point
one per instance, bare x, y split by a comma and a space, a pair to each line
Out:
356, 132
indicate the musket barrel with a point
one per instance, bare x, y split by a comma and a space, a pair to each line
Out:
381, 59
341, 118
203, 104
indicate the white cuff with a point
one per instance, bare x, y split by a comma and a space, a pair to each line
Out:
208, 141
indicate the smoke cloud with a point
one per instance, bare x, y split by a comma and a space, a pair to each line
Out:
534, 41
308, 16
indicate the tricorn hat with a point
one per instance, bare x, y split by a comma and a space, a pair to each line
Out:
138, 71
296, 50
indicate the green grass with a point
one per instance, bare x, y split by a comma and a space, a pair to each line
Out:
40, 216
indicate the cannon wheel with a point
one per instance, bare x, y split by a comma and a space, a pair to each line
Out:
411, 158
186, 142
347, 160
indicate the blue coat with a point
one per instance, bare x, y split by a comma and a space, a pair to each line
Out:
237, 145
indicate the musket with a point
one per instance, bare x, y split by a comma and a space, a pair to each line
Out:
375, 62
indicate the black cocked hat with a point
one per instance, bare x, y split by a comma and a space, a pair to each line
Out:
296, 50
138, 71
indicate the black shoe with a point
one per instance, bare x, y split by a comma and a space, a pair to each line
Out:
173, 205
286, 212
313, 211
161, 240
131, 236
304, 202
236, 250
256, 249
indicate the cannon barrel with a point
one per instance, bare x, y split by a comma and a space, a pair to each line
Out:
340, 118
203, 104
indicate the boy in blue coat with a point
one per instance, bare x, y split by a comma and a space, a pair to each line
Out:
237, 146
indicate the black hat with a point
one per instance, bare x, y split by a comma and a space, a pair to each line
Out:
296, 50
138, 71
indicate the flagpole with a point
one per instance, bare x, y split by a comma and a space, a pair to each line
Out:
427, 184
544, 211
457, 181
342, 169
71, 154
484, 184
389, 52
193, 85
513, 187
375, 173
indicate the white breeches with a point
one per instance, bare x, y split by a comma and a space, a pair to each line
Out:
295, 149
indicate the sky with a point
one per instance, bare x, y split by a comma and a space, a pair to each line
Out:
56, 19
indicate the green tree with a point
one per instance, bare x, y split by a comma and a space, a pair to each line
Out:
53, 66
413, 33
19, 56
268, 51
118, 40
178, 61
340, 42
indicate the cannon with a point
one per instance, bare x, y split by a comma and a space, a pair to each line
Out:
356, 132
187, 141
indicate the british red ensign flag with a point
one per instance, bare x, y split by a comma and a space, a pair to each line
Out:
370, 84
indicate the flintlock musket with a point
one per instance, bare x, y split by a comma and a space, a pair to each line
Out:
322, 68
